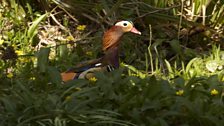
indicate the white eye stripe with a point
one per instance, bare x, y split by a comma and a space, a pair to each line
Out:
123, 23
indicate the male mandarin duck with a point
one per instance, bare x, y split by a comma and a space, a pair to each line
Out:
110, 60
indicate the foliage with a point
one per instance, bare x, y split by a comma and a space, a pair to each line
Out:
171, 75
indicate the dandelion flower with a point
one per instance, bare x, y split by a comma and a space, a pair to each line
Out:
1, 41
93, 79
89, 53
19, 52
70, 38
180, 92
81, 27
214, 92
68, 98
9, 75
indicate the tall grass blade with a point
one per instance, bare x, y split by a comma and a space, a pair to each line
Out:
32, 31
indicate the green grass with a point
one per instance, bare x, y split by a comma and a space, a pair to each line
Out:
164, 79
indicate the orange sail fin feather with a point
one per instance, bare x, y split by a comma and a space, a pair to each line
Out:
110, 60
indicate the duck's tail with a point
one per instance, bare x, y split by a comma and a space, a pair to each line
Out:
66, 76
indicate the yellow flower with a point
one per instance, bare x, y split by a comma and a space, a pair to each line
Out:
133, 74
89, 53
68, 98
93, 79
25, 59
19, 52
9, 75
70, 38
1, 41
32, 78
81, 27
214, 92
180, 92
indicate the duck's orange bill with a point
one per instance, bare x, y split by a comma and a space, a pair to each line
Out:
134, 30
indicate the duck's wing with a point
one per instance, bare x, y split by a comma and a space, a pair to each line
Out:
85, 65
79, 69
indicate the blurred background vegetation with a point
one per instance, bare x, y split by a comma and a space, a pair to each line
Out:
171, 75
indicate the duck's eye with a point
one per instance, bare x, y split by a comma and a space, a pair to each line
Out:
125, 24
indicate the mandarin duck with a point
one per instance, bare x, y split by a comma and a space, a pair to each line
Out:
110, 60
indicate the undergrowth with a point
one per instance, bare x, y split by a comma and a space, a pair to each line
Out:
165, 77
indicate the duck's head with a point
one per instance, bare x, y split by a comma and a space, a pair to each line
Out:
127, 26
112, 36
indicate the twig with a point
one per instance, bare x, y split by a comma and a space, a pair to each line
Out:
181, 17
151, 7
62, 27
69, 14
141, 16
91, 18
158, 10
58, 23
138, 13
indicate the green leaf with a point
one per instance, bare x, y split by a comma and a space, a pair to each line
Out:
175, 44
63, 51
32, 31
8, 103
42, 59
76, 119
54, 75
212, 65
133, 69
170, 70
153, 90
158, 42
